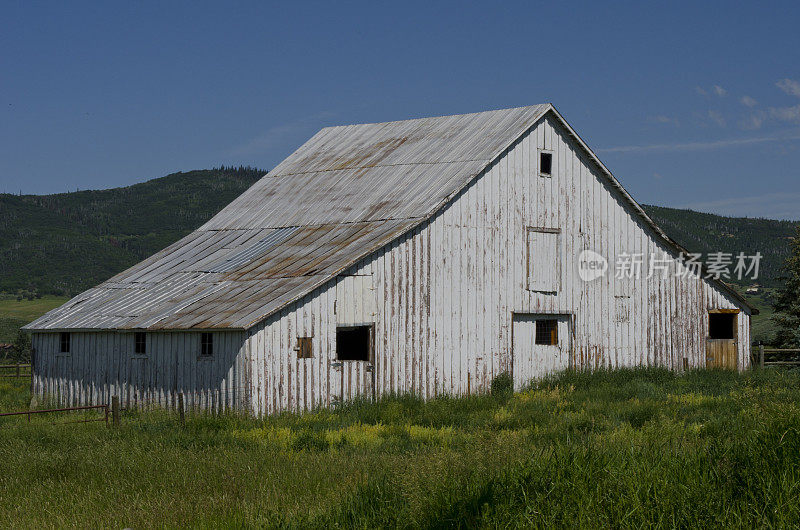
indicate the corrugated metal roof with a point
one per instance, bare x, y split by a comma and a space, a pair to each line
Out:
346, 192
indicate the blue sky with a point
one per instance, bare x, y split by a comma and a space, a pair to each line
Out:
689, 104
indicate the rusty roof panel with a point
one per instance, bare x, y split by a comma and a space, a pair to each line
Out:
345, 193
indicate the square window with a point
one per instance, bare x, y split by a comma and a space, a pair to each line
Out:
206, 344
545, 164
354, 343
547, 332
722, 326
140, 343
304, 349
65, 342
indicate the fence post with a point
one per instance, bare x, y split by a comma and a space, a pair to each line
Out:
761, 356
115, 410
180, 408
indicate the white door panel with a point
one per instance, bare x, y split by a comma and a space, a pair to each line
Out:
532, 360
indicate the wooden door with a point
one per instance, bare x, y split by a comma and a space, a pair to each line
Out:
540, 346
352, 369
352, 363
721, 353
722, 344
355, 380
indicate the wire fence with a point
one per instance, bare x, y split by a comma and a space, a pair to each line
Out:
113, 410
29, 413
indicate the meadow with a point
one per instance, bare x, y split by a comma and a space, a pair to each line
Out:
16, 313
629, 449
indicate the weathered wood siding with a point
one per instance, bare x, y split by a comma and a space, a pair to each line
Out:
103, 364
445, 293
441, 300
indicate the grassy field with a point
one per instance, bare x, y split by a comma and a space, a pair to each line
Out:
14, 314
632, 449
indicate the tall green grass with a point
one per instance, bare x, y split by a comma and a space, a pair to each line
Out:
628, 448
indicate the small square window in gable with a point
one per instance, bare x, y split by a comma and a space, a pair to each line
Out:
545, 163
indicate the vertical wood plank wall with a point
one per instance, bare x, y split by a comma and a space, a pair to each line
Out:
441, 301
101, 365
445, 293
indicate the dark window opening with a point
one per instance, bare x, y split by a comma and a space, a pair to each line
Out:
721, 325
140, 343
304, 350
206, 344
353, 343
545, 163
547, 332
65, 342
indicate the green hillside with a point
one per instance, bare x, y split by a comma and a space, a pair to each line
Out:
704, 232
62, 244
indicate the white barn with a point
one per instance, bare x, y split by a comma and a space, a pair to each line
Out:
423, 256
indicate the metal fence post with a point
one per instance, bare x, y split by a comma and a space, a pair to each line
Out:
761, 356
115, 410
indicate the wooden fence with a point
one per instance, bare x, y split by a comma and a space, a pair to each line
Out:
15, 370
777, 356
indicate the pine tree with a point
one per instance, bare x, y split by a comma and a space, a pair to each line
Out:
787, 301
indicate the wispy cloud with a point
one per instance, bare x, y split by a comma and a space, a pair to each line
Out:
790, 86
758, 117
747, 101
718, 90
790, 114
701, 91
279, 135
754, 121
717, 118
772, 205
698, 146
665, 120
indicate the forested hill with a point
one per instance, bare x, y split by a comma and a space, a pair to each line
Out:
68, 242
704, 232
65, 243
